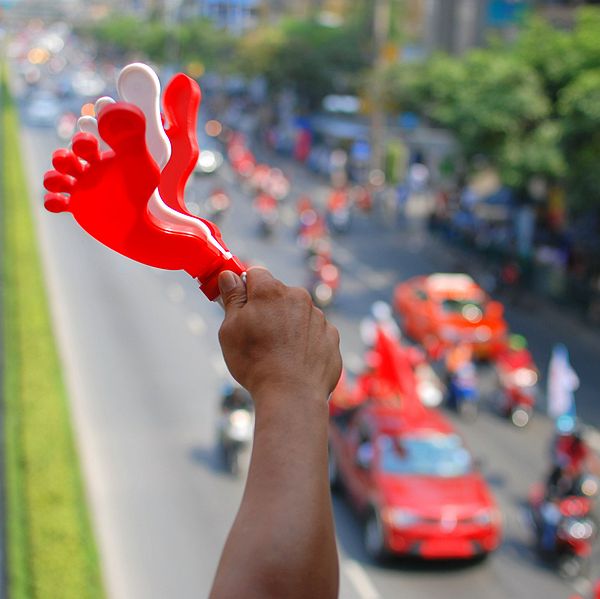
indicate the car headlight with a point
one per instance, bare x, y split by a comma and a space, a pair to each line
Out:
429, 394
589, 486
525, 377
240, 418
488, 516
577, 528
400, 518
323, 292
209, 161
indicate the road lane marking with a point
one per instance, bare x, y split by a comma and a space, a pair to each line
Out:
360, 580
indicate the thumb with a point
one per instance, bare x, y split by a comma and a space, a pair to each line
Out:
233, 290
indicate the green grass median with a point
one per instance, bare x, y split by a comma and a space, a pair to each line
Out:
50, 549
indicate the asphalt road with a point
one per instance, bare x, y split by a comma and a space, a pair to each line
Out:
144, 371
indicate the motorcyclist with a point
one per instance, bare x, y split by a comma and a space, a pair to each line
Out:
235, 398
458, 357
516, 370
217, 204
338, 200
460, 371
569, 456
515, 354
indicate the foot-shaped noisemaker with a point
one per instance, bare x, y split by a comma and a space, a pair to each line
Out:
177, 146
113, 196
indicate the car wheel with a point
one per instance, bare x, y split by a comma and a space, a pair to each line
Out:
374, 537
333, 472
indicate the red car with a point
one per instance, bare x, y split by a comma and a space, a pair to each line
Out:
414, 482
442, 310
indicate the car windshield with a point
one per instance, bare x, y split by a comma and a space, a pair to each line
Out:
432, 455
461, 306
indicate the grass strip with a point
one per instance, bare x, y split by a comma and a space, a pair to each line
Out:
50, 548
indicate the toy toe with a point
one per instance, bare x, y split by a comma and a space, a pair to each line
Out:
85, 145
65, 162
122, 126
57, 182
101, 103
55, 202
181, 101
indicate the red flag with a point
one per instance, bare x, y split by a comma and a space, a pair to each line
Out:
394, 369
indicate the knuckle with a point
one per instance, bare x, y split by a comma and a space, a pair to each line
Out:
300, 295
269, 289
319, 314
333, 334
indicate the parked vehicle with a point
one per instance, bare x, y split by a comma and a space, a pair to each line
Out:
409, 475
42, 110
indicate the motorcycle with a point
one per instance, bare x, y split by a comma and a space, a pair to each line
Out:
463, 393
266, 207
339, 219
326, 280
565, 529
517, 389
217, 206
236, 430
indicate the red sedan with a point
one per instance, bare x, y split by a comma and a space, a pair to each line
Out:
414, 482
442, 310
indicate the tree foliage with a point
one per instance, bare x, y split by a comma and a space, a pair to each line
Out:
532, 108
192, 40
306, 56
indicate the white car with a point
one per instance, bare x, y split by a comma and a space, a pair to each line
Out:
43, 110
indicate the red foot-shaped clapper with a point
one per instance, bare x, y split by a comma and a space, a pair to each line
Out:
109, 193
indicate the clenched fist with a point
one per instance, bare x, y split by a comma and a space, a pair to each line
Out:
274, 338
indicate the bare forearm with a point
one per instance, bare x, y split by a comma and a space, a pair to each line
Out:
287, 550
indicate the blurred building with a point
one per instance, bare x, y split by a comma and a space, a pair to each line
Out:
561, 12
234, 15
453, 26
24, 10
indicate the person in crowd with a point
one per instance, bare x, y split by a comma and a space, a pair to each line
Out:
570, 454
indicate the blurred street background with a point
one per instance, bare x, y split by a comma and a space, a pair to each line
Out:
460, 136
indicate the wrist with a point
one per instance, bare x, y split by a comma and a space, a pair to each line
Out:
275, 394
279, 400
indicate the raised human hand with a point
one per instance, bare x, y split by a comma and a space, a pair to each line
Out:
275, 342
